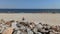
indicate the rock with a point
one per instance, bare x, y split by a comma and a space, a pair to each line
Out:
39, 26
39, 33
29, 31
35, 30
3, 27
14, 32
18, 32
14, 25
52, 33
22, 27
8, 31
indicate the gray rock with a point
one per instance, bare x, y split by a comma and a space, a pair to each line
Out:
18, 32
39, 33
35, 30
29, 31
39, 26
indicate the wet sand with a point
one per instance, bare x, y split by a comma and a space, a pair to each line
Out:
49, 18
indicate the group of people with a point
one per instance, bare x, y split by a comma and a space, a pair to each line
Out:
22, 27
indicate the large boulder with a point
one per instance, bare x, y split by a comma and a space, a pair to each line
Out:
8, 31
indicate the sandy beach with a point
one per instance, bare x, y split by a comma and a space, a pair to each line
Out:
49, 18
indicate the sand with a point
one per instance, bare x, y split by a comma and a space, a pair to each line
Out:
49, 18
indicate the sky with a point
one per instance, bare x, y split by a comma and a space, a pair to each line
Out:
30, 4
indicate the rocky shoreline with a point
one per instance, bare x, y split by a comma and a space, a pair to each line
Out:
24, 27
